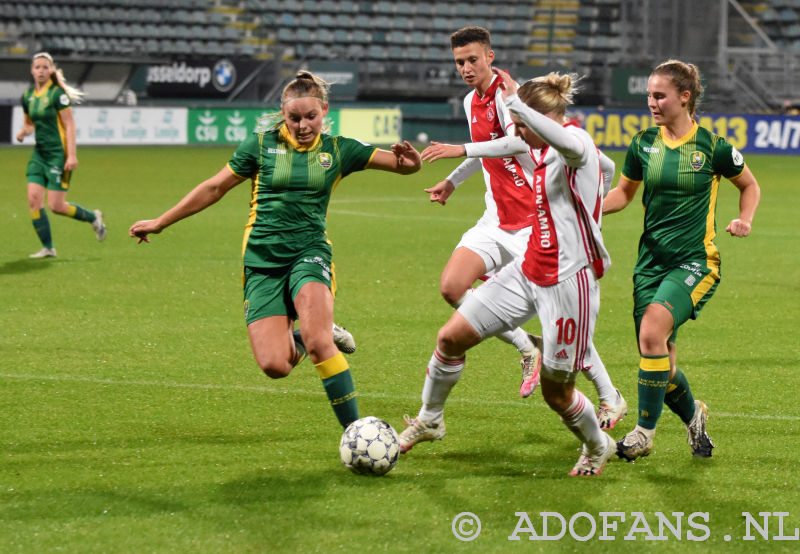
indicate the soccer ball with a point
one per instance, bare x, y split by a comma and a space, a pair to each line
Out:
369, 446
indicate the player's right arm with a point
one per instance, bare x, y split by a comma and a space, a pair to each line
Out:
27, 128
202, 196
620, 196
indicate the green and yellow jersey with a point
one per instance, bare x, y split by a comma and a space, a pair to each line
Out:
681, 182
43, 108
291, 188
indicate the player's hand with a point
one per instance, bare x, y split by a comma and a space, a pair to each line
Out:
439, 150
20, 136
738, 228
508, 86
407, 156
142, 228
441, 191
71, 163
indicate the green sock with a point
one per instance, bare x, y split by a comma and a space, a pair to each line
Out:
42, 227
80, 213
679, 397
338, 383
653, 377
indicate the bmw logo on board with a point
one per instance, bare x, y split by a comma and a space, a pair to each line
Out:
224, 75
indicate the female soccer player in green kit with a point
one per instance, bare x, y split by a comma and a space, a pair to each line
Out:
678, 268
48, 112
294, 167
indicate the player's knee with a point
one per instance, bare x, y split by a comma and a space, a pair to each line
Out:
452, 294
652, 343
275, 367
448, 342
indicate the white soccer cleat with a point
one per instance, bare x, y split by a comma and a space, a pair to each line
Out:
696, 430
635, 444
594, 464
609, 414
419, 431
343, 339
531, 366
44, 253
99, 226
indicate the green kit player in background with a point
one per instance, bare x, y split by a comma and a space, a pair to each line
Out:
678, 268
294, 167
48, 112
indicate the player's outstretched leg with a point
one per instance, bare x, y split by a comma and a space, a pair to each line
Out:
338, 383
442, 374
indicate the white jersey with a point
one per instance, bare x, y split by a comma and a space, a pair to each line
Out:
508, 185
567, 190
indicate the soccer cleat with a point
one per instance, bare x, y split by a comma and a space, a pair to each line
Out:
299, 346
418, 431
608, 415
635, 444
98, 225
343, 339
593, 465
531, 365
696, 430
44, 253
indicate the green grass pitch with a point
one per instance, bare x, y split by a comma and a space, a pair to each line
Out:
134, 418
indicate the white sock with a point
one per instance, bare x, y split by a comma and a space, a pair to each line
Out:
443, 374
597, 374
580, 419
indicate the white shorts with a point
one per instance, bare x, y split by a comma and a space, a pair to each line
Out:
497, 247
567, 310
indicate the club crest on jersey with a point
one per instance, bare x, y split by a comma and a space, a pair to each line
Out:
325, 160
697, 160
490, 114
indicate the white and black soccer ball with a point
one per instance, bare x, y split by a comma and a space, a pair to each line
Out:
369, 446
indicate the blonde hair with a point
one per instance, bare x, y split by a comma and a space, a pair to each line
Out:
304, 85
685, 76
58, 79
550, 93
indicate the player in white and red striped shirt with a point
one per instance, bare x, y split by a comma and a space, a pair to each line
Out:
502, 232
557, 279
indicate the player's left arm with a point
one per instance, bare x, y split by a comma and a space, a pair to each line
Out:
68, 121
749, 197
402, 158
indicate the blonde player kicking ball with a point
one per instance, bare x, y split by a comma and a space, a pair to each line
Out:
501, 234
294, 166
557, 279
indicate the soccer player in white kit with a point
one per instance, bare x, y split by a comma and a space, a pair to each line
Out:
501, 234
557, 279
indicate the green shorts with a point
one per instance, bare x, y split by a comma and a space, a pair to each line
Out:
683, 291
271, 291
48, 171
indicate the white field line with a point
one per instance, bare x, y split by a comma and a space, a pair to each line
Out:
305, 392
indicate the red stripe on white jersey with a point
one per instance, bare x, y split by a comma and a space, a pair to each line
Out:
508, 187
